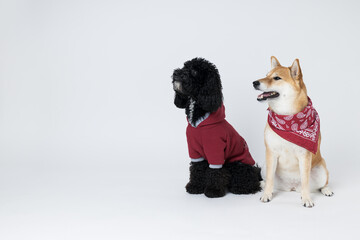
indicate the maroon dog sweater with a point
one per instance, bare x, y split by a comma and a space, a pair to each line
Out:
215, 140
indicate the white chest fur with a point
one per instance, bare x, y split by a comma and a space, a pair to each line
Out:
286, 155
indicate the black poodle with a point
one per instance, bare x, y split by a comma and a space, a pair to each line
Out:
220, 158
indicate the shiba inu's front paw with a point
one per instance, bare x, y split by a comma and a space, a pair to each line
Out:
267, 197
307, 202
327, 191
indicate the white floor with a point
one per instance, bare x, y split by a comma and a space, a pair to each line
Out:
150, 202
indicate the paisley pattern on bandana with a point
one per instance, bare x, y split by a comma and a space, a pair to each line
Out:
302, 128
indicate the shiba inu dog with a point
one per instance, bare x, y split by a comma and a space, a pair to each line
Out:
292, 135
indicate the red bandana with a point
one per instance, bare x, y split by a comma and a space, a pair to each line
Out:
302, 129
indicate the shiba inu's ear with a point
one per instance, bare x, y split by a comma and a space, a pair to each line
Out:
295, 70
274, 62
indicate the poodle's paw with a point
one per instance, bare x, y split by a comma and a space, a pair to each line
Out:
267, 197
307, 202
245, 189
212, 192
194, 188
327, 191
238, 190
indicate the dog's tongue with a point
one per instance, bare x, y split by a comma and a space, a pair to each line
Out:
265, 95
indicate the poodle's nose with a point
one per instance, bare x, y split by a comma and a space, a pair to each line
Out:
256, 84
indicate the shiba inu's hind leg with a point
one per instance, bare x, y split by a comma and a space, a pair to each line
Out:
320, 179
327, 191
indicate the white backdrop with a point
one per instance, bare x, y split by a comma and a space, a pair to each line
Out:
92, 147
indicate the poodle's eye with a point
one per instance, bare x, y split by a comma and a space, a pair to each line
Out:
276, 78
193, 72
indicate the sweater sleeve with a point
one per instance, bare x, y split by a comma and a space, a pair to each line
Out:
193, 145
214, 147
193, 154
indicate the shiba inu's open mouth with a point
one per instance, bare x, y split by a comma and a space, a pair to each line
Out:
266, 95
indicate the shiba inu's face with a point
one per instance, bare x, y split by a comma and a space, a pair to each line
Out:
280, 82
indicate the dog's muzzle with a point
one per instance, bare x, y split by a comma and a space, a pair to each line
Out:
177, 86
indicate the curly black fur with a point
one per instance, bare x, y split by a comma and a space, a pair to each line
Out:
196, 184
199, 81
245, 179
216, 182
198, 89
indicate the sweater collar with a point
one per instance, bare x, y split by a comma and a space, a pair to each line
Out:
200, 120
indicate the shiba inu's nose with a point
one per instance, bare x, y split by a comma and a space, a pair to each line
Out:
256, 84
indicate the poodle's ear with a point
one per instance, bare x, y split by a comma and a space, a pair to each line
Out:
180, 100
210, 96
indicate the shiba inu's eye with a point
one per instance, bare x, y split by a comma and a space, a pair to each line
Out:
277, 78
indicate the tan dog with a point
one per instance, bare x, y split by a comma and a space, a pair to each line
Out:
294, 167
